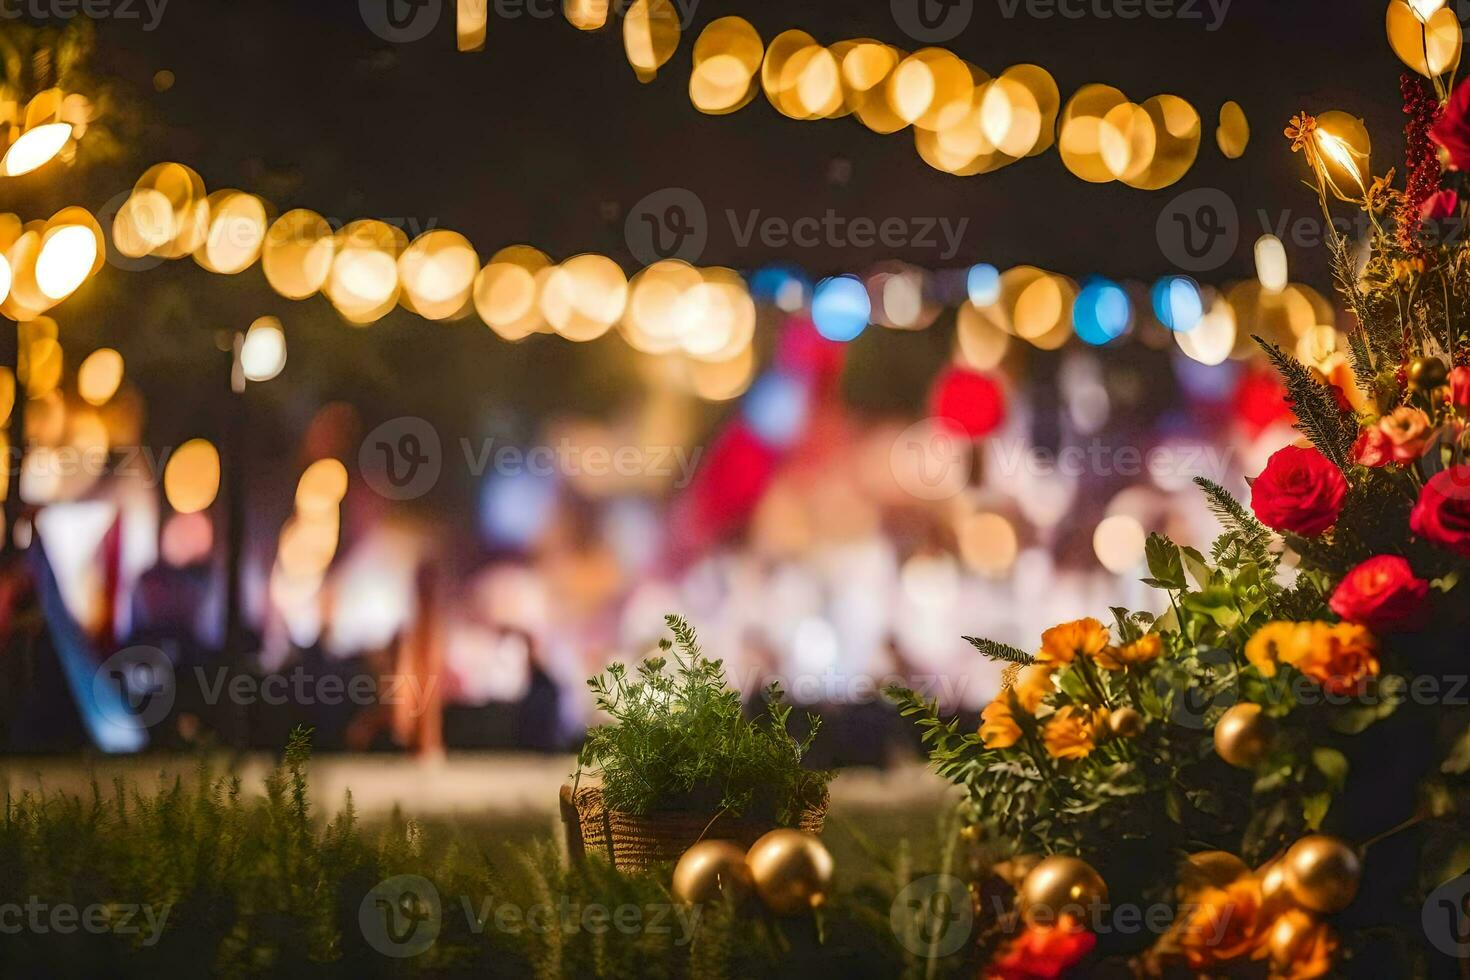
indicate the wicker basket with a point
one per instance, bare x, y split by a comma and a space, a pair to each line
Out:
634, 842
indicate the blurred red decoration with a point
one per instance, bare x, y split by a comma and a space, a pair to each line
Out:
969, 401
1260, 401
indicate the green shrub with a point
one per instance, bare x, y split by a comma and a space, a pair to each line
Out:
679, 740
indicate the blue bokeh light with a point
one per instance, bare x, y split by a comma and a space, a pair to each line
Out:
1177, 303
776, 409
841, 308
1102, 311
983, 284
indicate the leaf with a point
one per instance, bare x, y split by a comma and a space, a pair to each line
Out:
1164, 564
1333, 765
1195, 565
1458, 761
1001, 651
1314, 809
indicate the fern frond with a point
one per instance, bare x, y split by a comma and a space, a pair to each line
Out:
1001, 651
1252, 535
1318, 416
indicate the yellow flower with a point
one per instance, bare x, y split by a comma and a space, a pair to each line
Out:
998, 728
1277, 643
1072, 732
1144, 650
1303, 125
1031, 685
1381, 193
1061, 644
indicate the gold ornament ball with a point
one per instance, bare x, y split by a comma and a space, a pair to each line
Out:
1322, 873
1214, 869
1243, 735
1427, 373
1060, 884
1275, 898
1126, 722
710, 870
792, 871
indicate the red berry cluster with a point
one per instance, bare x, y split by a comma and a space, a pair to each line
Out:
1421, 160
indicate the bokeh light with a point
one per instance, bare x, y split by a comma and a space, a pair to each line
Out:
841, 308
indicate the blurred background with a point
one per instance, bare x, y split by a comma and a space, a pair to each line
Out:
412, 386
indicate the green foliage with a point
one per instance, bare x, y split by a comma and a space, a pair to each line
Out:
679, 740
242, 884
1319, 418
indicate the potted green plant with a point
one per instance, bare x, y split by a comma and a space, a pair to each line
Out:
680, 762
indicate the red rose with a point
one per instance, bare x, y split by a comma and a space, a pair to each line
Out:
1440, 205
1042, 952
1384, 595
1372, 448
1442, 514
1299, 491
1452, 131
1460, 387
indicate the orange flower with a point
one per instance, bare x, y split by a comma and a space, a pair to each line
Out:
1301, 949
1062, 644
1409, 430
998, 728
1338, 656
1303, 124
1031, 685
1146, 649
1343, 659
1225, 923
1072, 732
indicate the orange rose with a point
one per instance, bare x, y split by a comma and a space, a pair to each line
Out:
1225, 923
1338, 656
998, 728
1300, 949
1409, 430
1062, 644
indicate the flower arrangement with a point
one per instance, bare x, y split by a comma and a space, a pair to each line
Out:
1280, 754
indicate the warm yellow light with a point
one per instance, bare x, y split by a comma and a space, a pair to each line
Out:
100, 376
1119, 542
296, 255
1424, 9
4, 278
1271, 263
438, 273
471, 19
263, 353
191, 478
145, 222
585, 15
987, 543
650, 35
321, 487
68, 254
35, 148
236, 231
